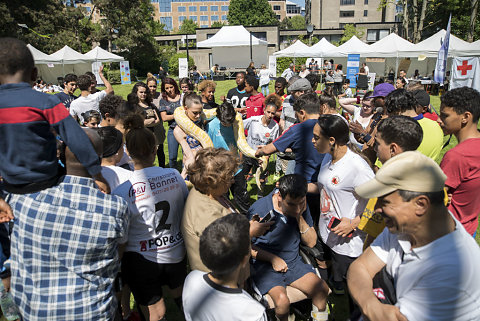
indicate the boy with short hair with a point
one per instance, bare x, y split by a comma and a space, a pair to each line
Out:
256, 100
70, 85
459, 115
238, 96
225, 250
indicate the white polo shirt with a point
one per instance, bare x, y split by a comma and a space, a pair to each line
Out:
438, 281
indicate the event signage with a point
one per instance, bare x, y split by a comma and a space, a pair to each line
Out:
441, 65
125, 72
353, 66
95, 69
465, 72
272, 64
182, 68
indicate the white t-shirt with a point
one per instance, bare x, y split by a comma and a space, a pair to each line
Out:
348, 93
367, 70
258, 133
115, 175
438, 281
156, 197
204, 300
84, 104
337, 183
126, 159
265, 75
364, 122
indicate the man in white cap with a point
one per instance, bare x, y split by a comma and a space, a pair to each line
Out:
432, 259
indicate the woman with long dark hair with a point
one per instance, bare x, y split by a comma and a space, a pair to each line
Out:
158, 130
171, 99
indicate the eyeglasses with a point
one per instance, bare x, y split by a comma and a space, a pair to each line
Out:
196, 113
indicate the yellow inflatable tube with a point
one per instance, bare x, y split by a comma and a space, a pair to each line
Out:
189, 127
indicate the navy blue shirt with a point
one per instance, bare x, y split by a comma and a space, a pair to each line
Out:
283, 238
299, 138
66, 99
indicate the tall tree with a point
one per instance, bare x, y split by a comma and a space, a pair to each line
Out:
473, 19
188, 27
298, 22
251, 13
351, 31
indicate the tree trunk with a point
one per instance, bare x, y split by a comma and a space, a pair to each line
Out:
405, 18
473, 16
415, 20
422, 18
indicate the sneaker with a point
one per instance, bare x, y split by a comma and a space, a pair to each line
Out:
319, 315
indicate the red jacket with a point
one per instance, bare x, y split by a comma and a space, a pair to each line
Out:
255, 105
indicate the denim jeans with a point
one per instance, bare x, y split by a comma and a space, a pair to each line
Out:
265, 90
172, 149
290, 167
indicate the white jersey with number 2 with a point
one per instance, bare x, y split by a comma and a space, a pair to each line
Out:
156, 197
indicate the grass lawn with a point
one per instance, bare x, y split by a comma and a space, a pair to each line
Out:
340, 302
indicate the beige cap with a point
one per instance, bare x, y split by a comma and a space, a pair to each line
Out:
409, 171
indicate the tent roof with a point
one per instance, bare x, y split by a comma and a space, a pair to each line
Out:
99, 54
67, 55
293, 50
39, 57
389, 46
430, 46
318, 49
352, 46
231, 36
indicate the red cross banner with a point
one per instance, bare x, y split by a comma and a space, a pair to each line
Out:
465, 72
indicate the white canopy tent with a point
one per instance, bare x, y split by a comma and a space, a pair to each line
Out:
231, 47
293, 50
352, 46
317, 50
40, 57
101, 55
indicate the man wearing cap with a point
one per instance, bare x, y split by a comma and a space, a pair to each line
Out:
423, 104
288, 73
431, 258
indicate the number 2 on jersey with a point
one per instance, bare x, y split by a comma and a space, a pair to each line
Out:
163, 206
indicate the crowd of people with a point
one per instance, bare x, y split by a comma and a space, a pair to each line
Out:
88, 219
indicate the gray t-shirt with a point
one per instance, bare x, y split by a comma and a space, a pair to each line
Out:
288, 114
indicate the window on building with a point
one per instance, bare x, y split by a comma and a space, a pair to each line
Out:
204, 26
203, 18
165, 5
181, 18
224, 17
346, 2
167, 21
376, 34
214, 8
276, 8
278, 17
260, 35
365, 2
203, 8
213, 18
193, 18
349, 13
182, 9
365, 13
192, 8
224, 8
293, 9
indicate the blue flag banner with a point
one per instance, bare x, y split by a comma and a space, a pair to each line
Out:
441, 65
353, 66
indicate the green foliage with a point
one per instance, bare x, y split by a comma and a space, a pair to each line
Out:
218, 24
113, 76
188, 27
251, 13
350, 31
284, 62
298, 22
173, 63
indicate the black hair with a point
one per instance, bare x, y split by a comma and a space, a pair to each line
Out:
334, 126
109, 105
226, 113
224, 244
327, 99
308, 103
461, 100
191, 98
282, 81
402, 79
148, 99
400, 101
339, 67
69, 78
241, 72
14, 57
112, 140
84, 82
186, 81
294, 185
436, 198
313, 79
252, 81
91, 75
347, 81
404, 131
140, 141
88, 115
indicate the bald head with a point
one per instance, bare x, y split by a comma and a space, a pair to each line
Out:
73, 165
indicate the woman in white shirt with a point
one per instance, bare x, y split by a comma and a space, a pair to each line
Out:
265, 75
361, 114
341, 171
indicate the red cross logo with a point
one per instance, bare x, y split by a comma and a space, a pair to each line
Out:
464, 67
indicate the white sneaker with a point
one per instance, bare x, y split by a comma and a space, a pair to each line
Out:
319, 315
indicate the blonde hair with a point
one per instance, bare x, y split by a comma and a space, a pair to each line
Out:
206, 84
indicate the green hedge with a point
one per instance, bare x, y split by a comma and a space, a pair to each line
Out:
173, 63
113, 76
284, 62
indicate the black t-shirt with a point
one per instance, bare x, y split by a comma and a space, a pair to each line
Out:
237, 98
66, 99
210, 105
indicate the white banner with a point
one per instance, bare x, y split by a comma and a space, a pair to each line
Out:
272, 65
95, 68
465, 72
182, 67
